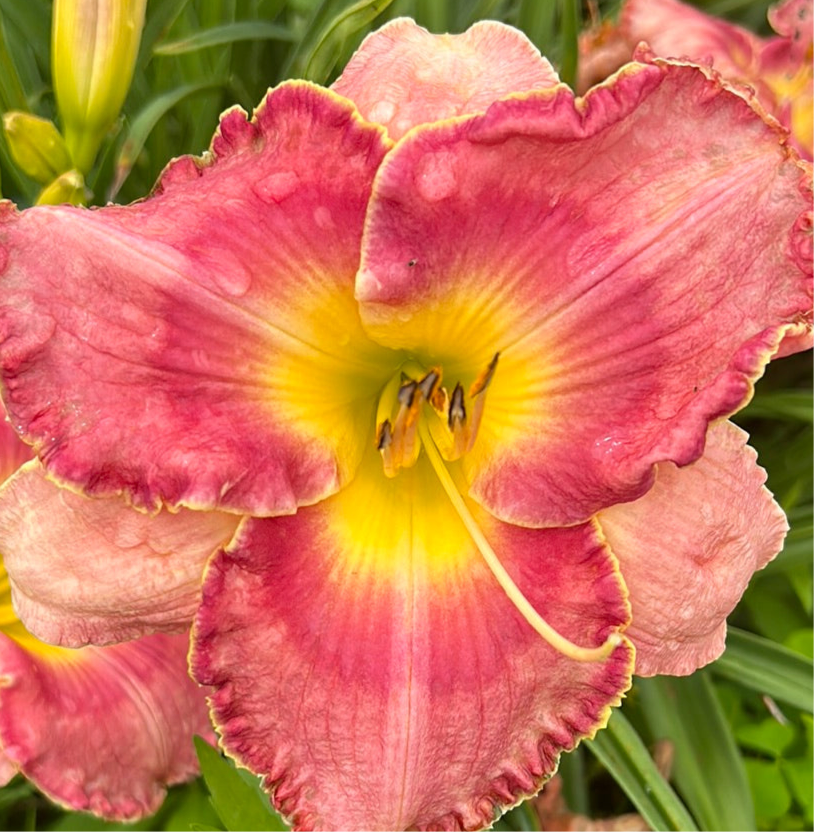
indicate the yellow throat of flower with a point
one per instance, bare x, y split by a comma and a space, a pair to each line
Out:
416, 411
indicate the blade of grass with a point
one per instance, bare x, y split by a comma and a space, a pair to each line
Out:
348, 22
12, 94
569, 53
769, 668
241, 30
143, 124
538, 19
621, 751
708, 769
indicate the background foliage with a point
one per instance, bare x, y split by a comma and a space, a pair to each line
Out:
729, 747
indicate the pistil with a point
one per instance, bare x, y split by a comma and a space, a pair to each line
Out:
542, 627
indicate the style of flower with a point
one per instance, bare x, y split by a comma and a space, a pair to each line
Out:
778, 69
99, 729
450, 369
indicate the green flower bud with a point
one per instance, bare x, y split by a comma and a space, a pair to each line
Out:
36, 146
94, 46
69, 187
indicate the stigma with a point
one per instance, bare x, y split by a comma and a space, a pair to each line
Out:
453, 418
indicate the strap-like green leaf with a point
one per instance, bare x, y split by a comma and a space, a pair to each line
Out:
348, 22
620, 749
708, 769
768, 668
236, 795
227, 33
143, 124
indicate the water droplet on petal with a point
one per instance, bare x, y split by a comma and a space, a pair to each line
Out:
277, 186
382, 112
230, 275
323, 218
435, 176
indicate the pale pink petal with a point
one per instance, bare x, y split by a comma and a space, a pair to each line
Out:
101, 729
402, 75
7, 769
677, 30
93, 570
192, 348
688, 548
633, 270
369, 665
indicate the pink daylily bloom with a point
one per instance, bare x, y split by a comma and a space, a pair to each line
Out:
429, 362
99, 729
779, 69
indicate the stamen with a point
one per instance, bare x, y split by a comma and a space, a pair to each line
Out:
549, 634
477, 391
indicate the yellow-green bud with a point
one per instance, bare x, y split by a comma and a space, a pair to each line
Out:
36, 146
94, 44
69, 187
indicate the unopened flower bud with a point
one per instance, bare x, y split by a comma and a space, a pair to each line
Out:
94, 47
36, 146
69, 187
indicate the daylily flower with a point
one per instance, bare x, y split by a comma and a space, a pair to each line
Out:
99, 729
450, 374
779, 69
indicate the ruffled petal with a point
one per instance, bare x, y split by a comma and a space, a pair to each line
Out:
95, 570
678, 30
13, 452
202, 347
367, 663
635, 258
688, 548
402, 75
102, 729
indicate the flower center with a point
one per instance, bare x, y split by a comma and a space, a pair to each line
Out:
447, 433
454, 418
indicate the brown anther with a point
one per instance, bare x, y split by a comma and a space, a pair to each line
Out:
457, 411
407, 393
483, 380
384, 437
429, 383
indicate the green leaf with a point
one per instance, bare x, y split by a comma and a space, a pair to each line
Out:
792, 405
799, 773
144, 123
772, 796
767, 737
236, 795
348, 22
538, 20
12, 94
768, 668
569, 36
708, 769
620, 749
228, 33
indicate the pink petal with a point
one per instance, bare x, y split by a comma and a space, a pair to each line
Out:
192, 348
688, 548
13, 452
367, 663
402, 75
103, 730
791, 19
95, 570
576, 240
677, 30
